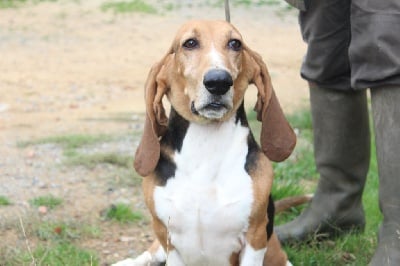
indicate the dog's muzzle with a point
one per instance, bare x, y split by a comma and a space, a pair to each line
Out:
217, 81
215, 99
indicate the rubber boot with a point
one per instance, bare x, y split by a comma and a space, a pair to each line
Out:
342, 153
386, 114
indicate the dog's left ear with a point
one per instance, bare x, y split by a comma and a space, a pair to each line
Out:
148, 151
277, 137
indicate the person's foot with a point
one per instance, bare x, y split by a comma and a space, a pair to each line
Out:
387, 252
319, 224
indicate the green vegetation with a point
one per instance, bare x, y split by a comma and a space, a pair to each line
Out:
18, 3
129, 6
64, 231
256, 2
91, 160
123, 213
49, 201
11, 3
58, 253
69, 142
4, 201
51, 243
246, 3
76, 153
140, 6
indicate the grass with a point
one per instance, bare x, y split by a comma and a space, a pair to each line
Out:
46, 241
91, 160
249, 3
123, 172
122, 117
76, 152
4, 201
256, 2
65, 253
11, 3
140, 6
58, 253
129, 7
49, 201
18, 3
50, 242
298, 175
69, 142
122, 213
65, 231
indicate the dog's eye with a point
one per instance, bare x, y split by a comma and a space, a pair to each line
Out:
235, 45
191, 44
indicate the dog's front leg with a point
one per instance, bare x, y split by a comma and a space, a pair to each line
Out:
251, 256
256, 244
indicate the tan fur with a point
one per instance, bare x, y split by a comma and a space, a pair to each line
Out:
179, 75
256, 235
275, 255
289, 202
159, 228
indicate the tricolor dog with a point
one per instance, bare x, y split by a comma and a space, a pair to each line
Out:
207, 182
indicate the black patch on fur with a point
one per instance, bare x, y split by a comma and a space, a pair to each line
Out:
252, 153
241, 116
177, 127
251, 163
165, 169
253, 148
271, 216
173, 139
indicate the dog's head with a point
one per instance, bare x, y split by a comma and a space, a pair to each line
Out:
205, 75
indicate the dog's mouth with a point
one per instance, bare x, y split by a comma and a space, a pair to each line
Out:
211, 110
215, 106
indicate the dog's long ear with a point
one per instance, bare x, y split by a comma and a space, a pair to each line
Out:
148, 151
277, 137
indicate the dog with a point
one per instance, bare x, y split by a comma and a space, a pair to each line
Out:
207, 182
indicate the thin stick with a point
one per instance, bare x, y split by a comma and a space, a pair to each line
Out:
227, 11
27, 241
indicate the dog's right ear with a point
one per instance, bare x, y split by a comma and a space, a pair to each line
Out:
277, 137
148, 151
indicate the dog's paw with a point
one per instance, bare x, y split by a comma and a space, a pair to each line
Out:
126, 262
143, 260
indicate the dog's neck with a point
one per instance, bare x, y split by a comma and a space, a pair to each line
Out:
218, 134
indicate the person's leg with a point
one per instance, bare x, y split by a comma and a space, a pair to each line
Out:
374, 50
386, 113
375, 58
341, 148
340, 126
325, 27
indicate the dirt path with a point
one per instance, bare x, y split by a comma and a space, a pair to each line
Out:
64, 67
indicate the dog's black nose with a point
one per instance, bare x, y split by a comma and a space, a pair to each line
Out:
217, 81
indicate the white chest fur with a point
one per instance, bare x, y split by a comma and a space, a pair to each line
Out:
206, 205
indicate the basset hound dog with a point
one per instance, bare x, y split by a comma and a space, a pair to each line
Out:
207, 182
